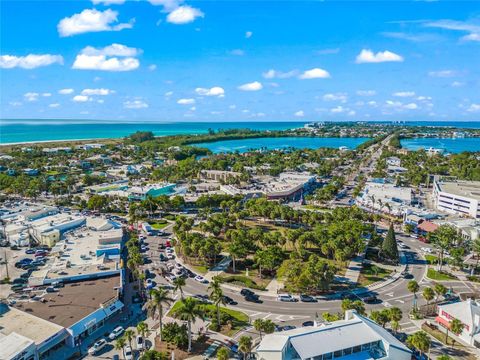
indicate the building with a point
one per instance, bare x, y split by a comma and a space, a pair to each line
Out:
385, 197
457, 197
153, 190
219, 175
468, 312
355, 337
25, 336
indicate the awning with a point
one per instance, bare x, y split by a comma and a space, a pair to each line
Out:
443, 322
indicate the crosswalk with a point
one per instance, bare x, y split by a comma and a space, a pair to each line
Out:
274, 317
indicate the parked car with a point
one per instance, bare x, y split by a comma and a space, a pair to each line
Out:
99, 345
119, 330
228, 300
20, 280
128, 352
286, 298
149, 284
287, 327
50, 289
30, 251
139, 343
201, 279
308, 323
307, 298
408, 276
245, 292
163, 257
253, 298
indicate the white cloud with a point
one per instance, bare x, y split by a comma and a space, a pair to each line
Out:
15, 103
253, 86
272, 74
424, 98
108, 2
299, 113
101, 92
152, 67
457, 84
232, 107
81, 98
368, 56
342, 97
411, 106
443, 73
186, 101
66, 91
115, 57
184, 15
404, 94
338, 109
248, 34
31, 96
47, 94
31, 61
474, 108
168, 5
100, 101
214, 91
135, 104
54, 105
366, 92
315, 73
472, 29
237, 52
91, 20
168, 93
372, 103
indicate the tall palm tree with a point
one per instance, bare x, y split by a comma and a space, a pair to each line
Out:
178, 284
245, 345
413, 287
129, 335
189, 311
216, 295
120, 345
158, 298
142, 329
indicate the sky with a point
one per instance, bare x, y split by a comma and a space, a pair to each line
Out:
174, 60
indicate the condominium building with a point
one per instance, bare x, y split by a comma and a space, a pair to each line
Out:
457, 197
355, 337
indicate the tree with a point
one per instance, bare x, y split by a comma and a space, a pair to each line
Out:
154, 355
267, 326
216, 295
380, 317
357, 305
413, 287
444, 357
129, 335
439, 289
428, 294
178, 284
245, 345
456, 326
389, 245
395, 315
444, 238
142, 329
419, 341
159, 297
120, 345
189, 311
223, 353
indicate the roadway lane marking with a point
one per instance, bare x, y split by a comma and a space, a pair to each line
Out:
400, 301
387, 304
389, 294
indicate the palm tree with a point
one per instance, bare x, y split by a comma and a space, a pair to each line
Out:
189, 311
178, 284
428, 294
420, 341
142, 329
258, 325
159, 297
129, 335
456, 326
245, 345
413, 287
216, 295
120, 345
439, 289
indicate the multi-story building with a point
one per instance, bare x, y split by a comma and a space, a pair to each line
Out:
355, 337
457, 197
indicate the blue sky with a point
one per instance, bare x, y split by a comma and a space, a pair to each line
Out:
172, 60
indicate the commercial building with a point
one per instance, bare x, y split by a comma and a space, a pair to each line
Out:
468, 312
457, 197
386, 197
153, 190
355, 337
219, 175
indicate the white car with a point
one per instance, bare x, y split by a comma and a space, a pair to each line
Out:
169, 250
171, 277
128, 352
201, 279
286, 298
99, 345
170, 256
139, 343
178, 266
119, 330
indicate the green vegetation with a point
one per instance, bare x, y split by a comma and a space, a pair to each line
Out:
389, 246
439, 275
159, 225
372, 273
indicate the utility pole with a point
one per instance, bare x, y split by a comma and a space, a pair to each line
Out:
6, 264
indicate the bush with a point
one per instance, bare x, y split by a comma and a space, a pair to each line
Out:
175, 334
242, 280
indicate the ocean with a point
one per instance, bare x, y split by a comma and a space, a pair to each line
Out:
37, 130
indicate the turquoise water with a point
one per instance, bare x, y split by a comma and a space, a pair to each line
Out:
447, 144
244, 145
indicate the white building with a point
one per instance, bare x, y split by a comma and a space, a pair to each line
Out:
354, 337
468, 312
394, 161
386, 197
457, 197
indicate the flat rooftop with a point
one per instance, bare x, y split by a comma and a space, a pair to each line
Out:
23, 323
470, 189
73, 302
